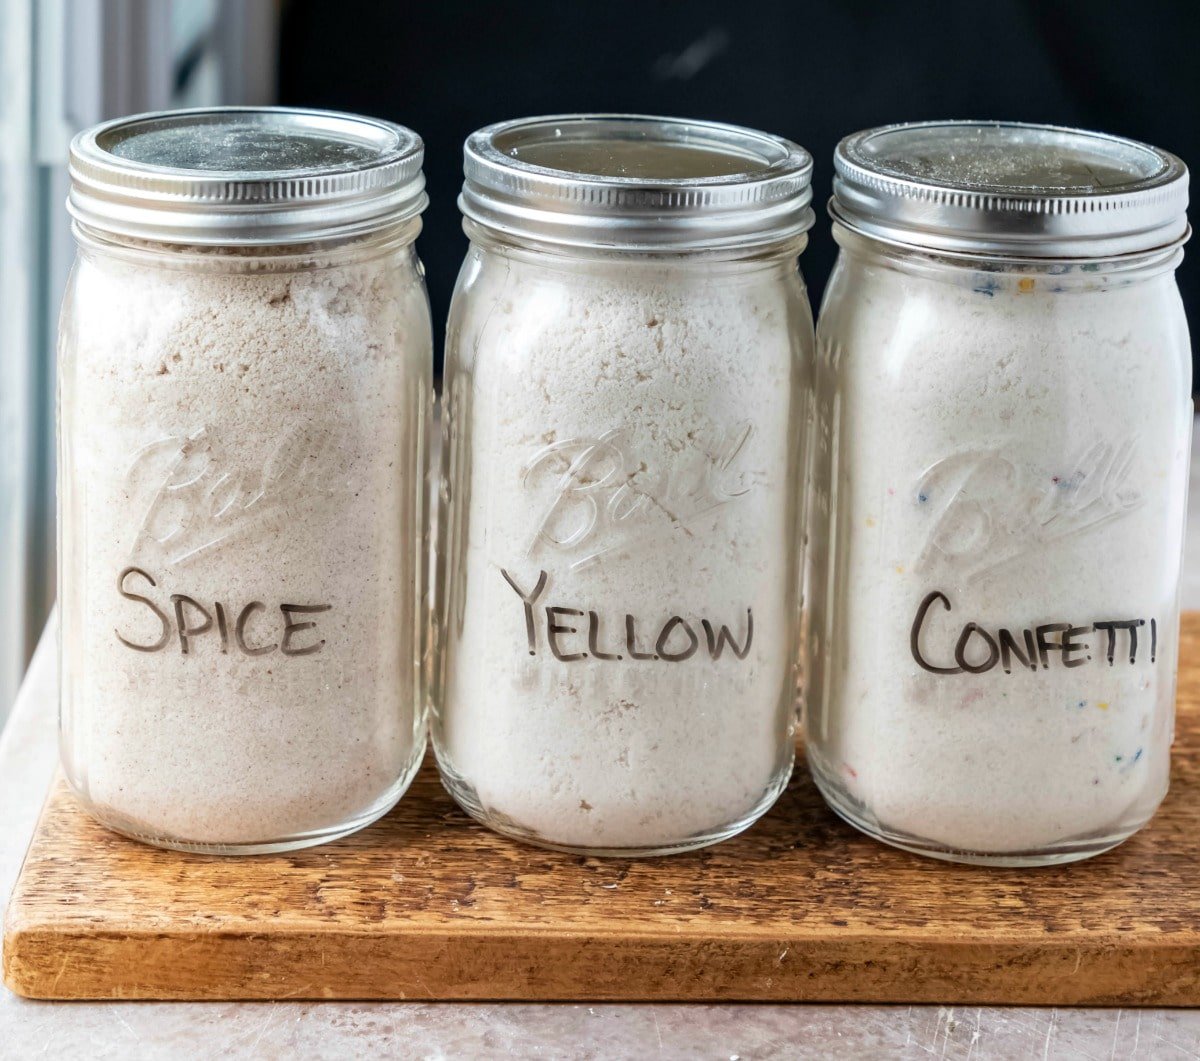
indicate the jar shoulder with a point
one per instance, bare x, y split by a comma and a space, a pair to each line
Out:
508, 314
904, 331
350, 310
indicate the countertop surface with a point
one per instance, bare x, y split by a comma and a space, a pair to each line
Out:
349, 1030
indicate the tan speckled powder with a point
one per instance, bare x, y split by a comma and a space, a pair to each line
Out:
244, 431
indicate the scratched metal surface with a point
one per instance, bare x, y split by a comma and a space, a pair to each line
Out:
135, 1030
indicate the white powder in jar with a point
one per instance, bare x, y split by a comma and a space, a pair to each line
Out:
1019, 444
239, 433
620, 446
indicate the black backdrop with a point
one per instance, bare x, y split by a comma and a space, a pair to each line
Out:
811, 71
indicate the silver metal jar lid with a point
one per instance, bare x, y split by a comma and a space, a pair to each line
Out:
245, 175
1011, 190
636, 183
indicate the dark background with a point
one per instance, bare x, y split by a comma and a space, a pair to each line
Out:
812, 72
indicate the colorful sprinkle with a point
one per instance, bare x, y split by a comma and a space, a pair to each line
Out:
1102, 704
1129, 763
899, 569
1025, 284
922, 498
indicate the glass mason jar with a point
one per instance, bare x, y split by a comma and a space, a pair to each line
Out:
244, 396
1004, 388
629, 361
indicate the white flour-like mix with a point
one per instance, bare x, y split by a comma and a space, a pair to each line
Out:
1000, 624
620, 621
242, 541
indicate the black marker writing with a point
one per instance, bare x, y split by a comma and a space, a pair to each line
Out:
976, 650
191, 620
676, 638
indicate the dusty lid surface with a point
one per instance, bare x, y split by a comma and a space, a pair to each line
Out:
245, 175
1000, 188
636, 183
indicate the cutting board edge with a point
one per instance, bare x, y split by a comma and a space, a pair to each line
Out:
452, 965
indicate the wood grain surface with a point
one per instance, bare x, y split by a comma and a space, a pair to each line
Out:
428, 905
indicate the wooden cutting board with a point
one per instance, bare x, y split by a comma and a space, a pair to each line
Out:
428, 905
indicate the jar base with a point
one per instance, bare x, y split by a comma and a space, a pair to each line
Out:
466, 797
1061, 853
133, 830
